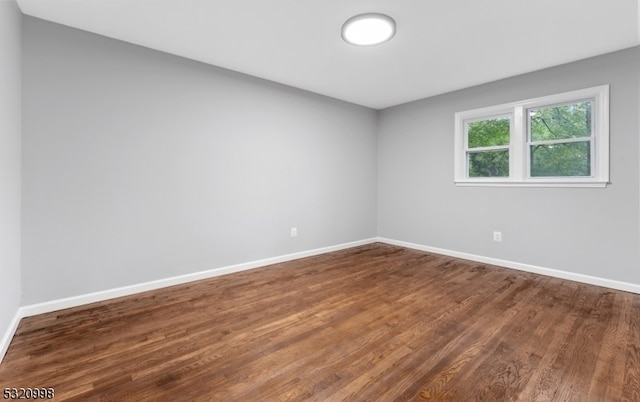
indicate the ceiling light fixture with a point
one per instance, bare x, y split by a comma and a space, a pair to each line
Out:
368, 29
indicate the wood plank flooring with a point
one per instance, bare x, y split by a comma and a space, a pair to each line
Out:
372, 323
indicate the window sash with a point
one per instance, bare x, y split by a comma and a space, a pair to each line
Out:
588, 137
468, 122
547, 106
566, 164
503, 151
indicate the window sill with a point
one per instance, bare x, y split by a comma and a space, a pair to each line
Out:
505, 183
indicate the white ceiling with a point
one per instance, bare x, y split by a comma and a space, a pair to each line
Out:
440, 45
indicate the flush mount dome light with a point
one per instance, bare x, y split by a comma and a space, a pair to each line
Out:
368, 29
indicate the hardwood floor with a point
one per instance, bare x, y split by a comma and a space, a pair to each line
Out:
372, 323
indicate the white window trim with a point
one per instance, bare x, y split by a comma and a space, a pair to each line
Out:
518, 146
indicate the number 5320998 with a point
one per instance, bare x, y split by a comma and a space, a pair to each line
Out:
28, 393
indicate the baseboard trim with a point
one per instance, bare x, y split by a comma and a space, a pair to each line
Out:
8, 335
75, 301
591, 280
80, 300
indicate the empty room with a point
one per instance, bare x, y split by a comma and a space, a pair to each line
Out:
320, 200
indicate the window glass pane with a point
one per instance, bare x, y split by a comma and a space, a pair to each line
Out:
560, 122
571, 159
488, 133
489, 164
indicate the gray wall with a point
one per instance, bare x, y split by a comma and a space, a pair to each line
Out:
139, 166
581, 230
10, 128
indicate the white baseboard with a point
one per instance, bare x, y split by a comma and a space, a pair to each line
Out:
80, 300
102, 295
75, 301
592, 280
8, 335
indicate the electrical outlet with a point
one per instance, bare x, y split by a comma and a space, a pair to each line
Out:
497, 236
294, 232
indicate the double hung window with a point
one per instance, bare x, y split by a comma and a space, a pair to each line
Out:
558, 140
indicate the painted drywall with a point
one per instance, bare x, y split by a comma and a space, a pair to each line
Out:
580, 230
140, 166
10, 129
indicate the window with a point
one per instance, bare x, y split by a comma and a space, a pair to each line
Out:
558, 140
488, 146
